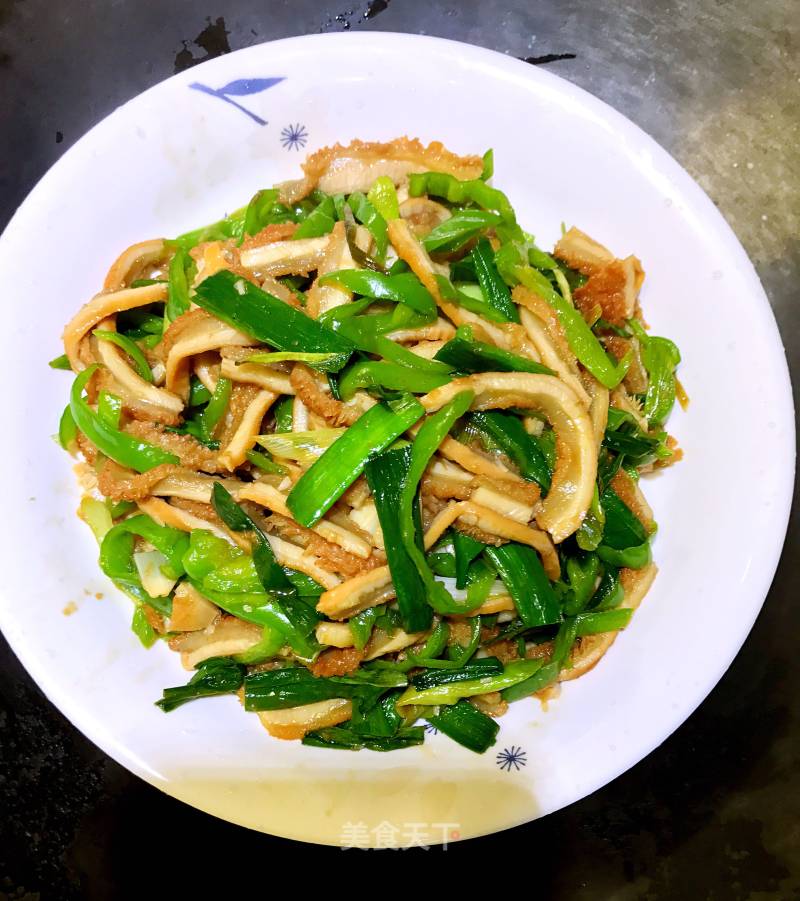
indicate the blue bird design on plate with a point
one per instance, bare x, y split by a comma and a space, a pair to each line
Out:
240, 87
294, 136
511, 757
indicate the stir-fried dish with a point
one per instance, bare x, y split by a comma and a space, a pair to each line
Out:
365, 455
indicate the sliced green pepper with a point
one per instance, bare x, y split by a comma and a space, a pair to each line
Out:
119, 446
404, 288
441, 184
513, 673
380, 373
319, 222
494, 289
452, 234
508, 432
580, 337
466, 354
383, 196
130, 347
368, 216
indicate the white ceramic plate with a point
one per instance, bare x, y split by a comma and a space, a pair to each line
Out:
182, 154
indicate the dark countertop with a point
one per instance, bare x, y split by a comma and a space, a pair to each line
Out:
714, 813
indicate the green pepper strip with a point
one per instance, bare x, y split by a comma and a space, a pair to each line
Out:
459, 229
360, 331
132, 349
383, 196
265, 317
270, 573
343, 462
622, 528
172, 543
660, 357
230, 227
177, 287
116, 556
198, 393
442, 563
368, 216
304, 585
404, 288
492, 285
459, 655
324, 362
119, 446
262, 460
631, 557
379, 373
361, 626
590, 533
597, 622
266, 610
61, 362
610, 592
109, 408
480, 577
488, 165
513, 673
507, 431
234, 581
284, 414
466, 549
466, 354
440, 184
215, 408
236, 586
470, 297
581, 339
319, 222
567, 633
67, 431
264, 209
582, 576
269, 646
435, 643
141, 628
260, 203
336, 316
207, 553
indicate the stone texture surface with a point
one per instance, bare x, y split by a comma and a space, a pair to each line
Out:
714, 813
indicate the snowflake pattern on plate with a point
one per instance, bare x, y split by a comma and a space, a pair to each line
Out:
511, 757
293, 137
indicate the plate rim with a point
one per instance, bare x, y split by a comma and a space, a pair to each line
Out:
698, 199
